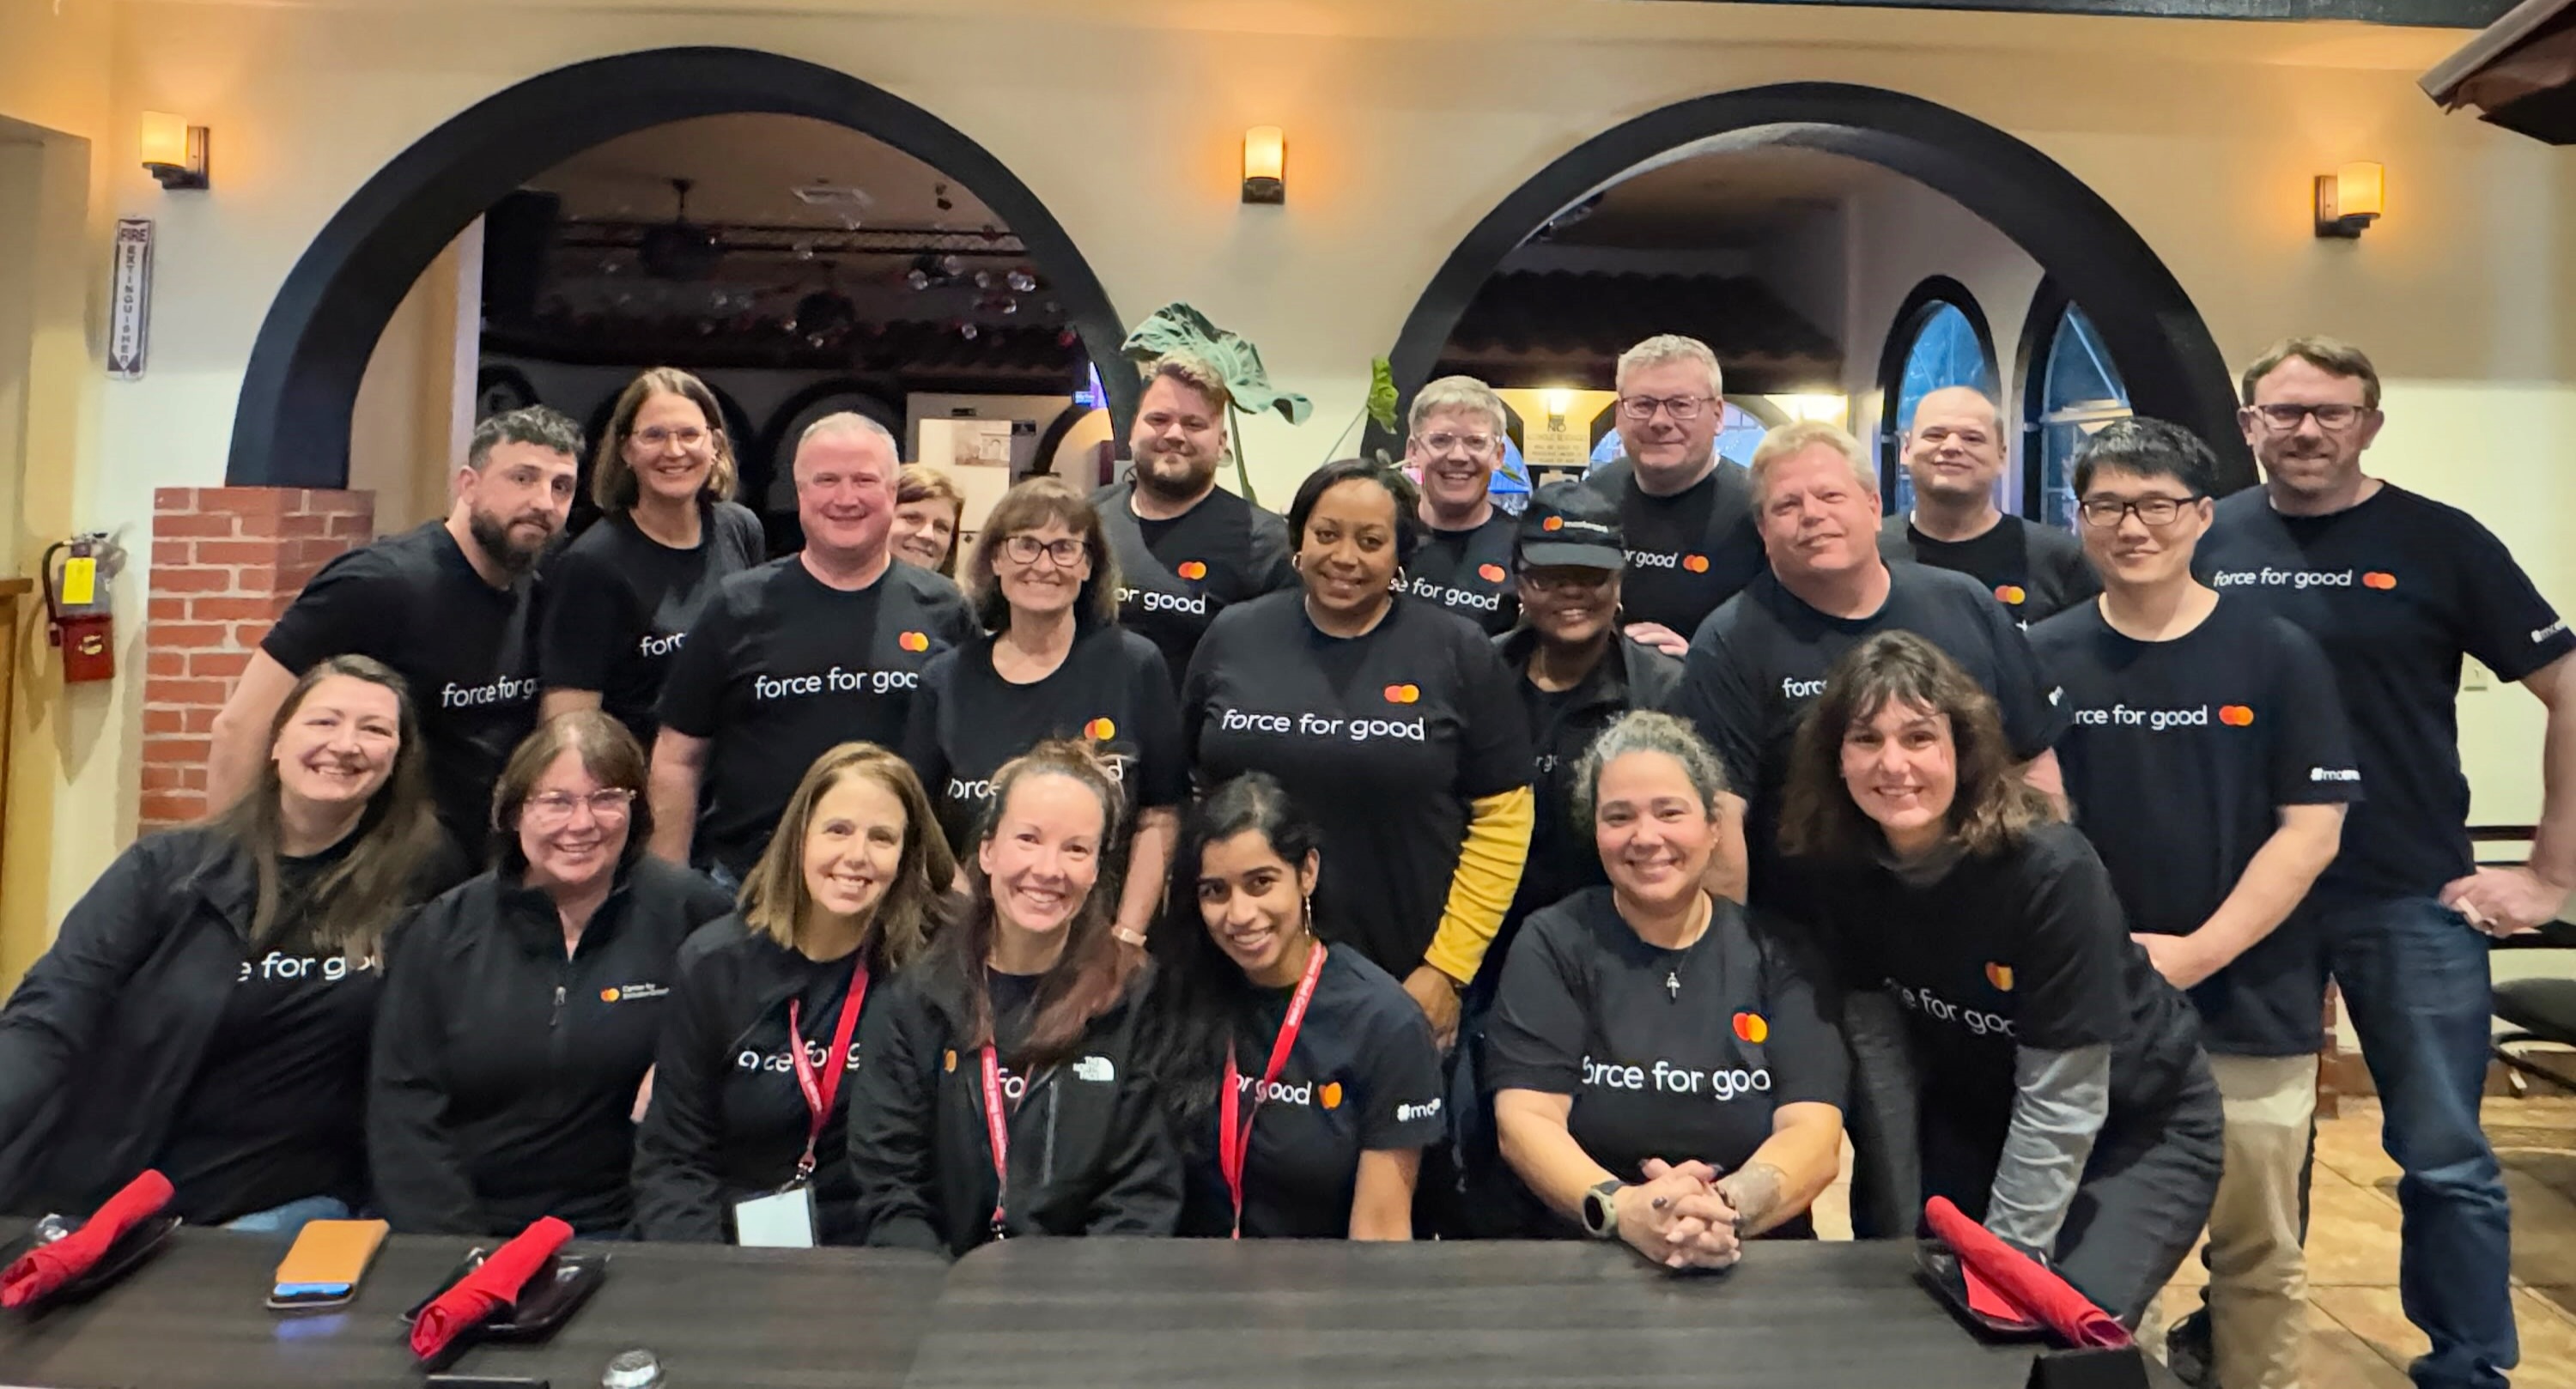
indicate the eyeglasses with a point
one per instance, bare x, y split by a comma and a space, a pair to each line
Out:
1476, 445
2105, 513
687, 436
556, 807
1683, 408
1025, 549
2284, 419
1569, 581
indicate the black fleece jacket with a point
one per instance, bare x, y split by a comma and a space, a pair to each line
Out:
1090, 1151
505, 1071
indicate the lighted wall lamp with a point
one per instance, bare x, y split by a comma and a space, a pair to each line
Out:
2350, 199
173, 150
1558, 402
1265, 165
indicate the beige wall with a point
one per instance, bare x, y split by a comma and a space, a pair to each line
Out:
415, 407
1406, 123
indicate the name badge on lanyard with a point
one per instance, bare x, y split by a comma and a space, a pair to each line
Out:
784, 1219
1234, 1137
997, 1128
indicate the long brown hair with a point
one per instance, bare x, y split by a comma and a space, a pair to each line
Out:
607, 751
612, 480
1992, 809
397, 836
1093, 973
774, 896
1028, 505
920, 482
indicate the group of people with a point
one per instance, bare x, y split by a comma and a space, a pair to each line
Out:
1590, 871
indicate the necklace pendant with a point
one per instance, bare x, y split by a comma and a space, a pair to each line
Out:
1673, 984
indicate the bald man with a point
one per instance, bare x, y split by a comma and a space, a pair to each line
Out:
1954, 448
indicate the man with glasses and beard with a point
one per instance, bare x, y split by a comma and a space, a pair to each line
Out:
1688, 516
1187, 549
450, 605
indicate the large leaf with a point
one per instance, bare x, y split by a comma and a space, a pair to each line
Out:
1180, 328
1381, 394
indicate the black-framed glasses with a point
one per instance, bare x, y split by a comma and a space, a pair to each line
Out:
1025, 549
2105, 513
2285, 418
1682, 408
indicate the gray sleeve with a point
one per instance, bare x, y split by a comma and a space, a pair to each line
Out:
2061, 1099
1887, 1181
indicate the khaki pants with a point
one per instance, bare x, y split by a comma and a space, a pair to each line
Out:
2258, 1275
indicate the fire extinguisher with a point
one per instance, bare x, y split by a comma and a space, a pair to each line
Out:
77, 613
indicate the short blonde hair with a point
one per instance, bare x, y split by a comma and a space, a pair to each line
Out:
1799, 436
1671, 347
1197, 373
1456, 393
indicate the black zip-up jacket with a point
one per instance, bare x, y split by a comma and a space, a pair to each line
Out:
505, 1071
690, 1167
1090, 1150
105, 1035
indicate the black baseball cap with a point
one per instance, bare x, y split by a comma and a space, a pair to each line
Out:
1567, 523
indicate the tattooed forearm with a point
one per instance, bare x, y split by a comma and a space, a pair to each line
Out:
1754, 1190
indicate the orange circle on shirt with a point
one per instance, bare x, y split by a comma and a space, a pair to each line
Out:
1329, 1094
2010, 593
1403, 694
913, 641
1751, 1027
2380, 579
1697, 564
1191, 569
2001, 976
2236, 715
1490, 573
1552, 523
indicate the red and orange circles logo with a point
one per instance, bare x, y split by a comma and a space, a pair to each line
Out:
2379, 579
2236, 715
1750, 1027
1329, 1094
1403, 694
2010, 593
1697, 564
608, 995
1999, 975
1490, 573
913, 641
1191, 569
1100, 730
1552, 523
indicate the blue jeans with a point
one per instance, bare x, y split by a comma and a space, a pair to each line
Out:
2414, 979
291, 1218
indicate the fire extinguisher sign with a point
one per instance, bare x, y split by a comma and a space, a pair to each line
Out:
129, 330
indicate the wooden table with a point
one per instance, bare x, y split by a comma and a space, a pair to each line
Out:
1525, 1315
714, 1315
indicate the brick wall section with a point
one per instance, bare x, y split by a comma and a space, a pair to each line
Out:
225, 562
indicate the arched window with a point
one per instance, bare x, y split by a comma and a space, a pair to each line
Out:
2073, 390
1939, 339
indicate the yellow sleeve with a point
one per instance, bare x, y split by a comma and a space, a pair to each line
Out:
1489, 871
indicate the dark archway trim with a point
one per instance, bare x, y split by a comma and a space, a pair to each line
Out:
291, 428
2039, 329
1936, 292
2164, 351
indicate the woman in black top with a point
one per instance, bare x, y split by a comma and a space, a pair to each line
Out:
1391, 720
205, 1009
1000, 1094
1664, 1072
619, 601
1250, 1017
743, 1131
1055, 665
2011, 1037
521, 1008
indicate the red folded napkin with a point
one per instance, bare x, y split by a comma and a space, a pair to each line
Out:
47, 1267
2004, 1282
489, 1288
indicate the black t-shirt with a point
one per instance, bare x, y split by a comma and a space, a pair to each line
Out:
1175, 576
619, 605
2178, 757
1672, 1054
2035, 571
1363, 1076
763, 1108
2026, 948
2396, 589
275, 1114
1687, 553
1469, 572
1111, 691
1758, 662
1383, 740
467, 649
780, 669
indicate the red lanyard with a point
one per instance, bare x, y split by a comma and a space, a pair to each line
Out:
820, 1091
1234, 1139
997, 1126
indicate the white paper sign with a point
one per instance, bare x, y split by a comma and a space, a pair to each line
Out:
129, 330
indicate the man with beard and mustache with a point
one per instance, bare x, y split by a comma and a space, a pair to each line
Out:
2398, 588
1954, 448
1187, 549
450, 605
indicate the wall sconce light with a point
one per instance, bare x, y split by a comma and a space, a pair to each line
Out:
1265, 165
2350, 199
1832, 409
1558, 402
173, 150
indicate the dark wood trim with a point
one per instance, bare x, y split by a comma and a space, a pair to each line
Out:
2039, 328
1921, 302
291, 428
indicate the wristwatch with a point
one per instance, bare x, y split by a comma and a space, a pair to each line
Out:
1601, 1209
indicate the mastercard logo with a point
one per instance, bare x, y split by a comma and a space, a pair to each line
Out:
1750, 1027
2010, 593
2379, 579
608, 995
1403, 694
2236, 716
1697, 564
1552, 523
1100, 730
948, 1061
913, 641
1329, 1094
1191, 569
1999, 975
1490, 573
